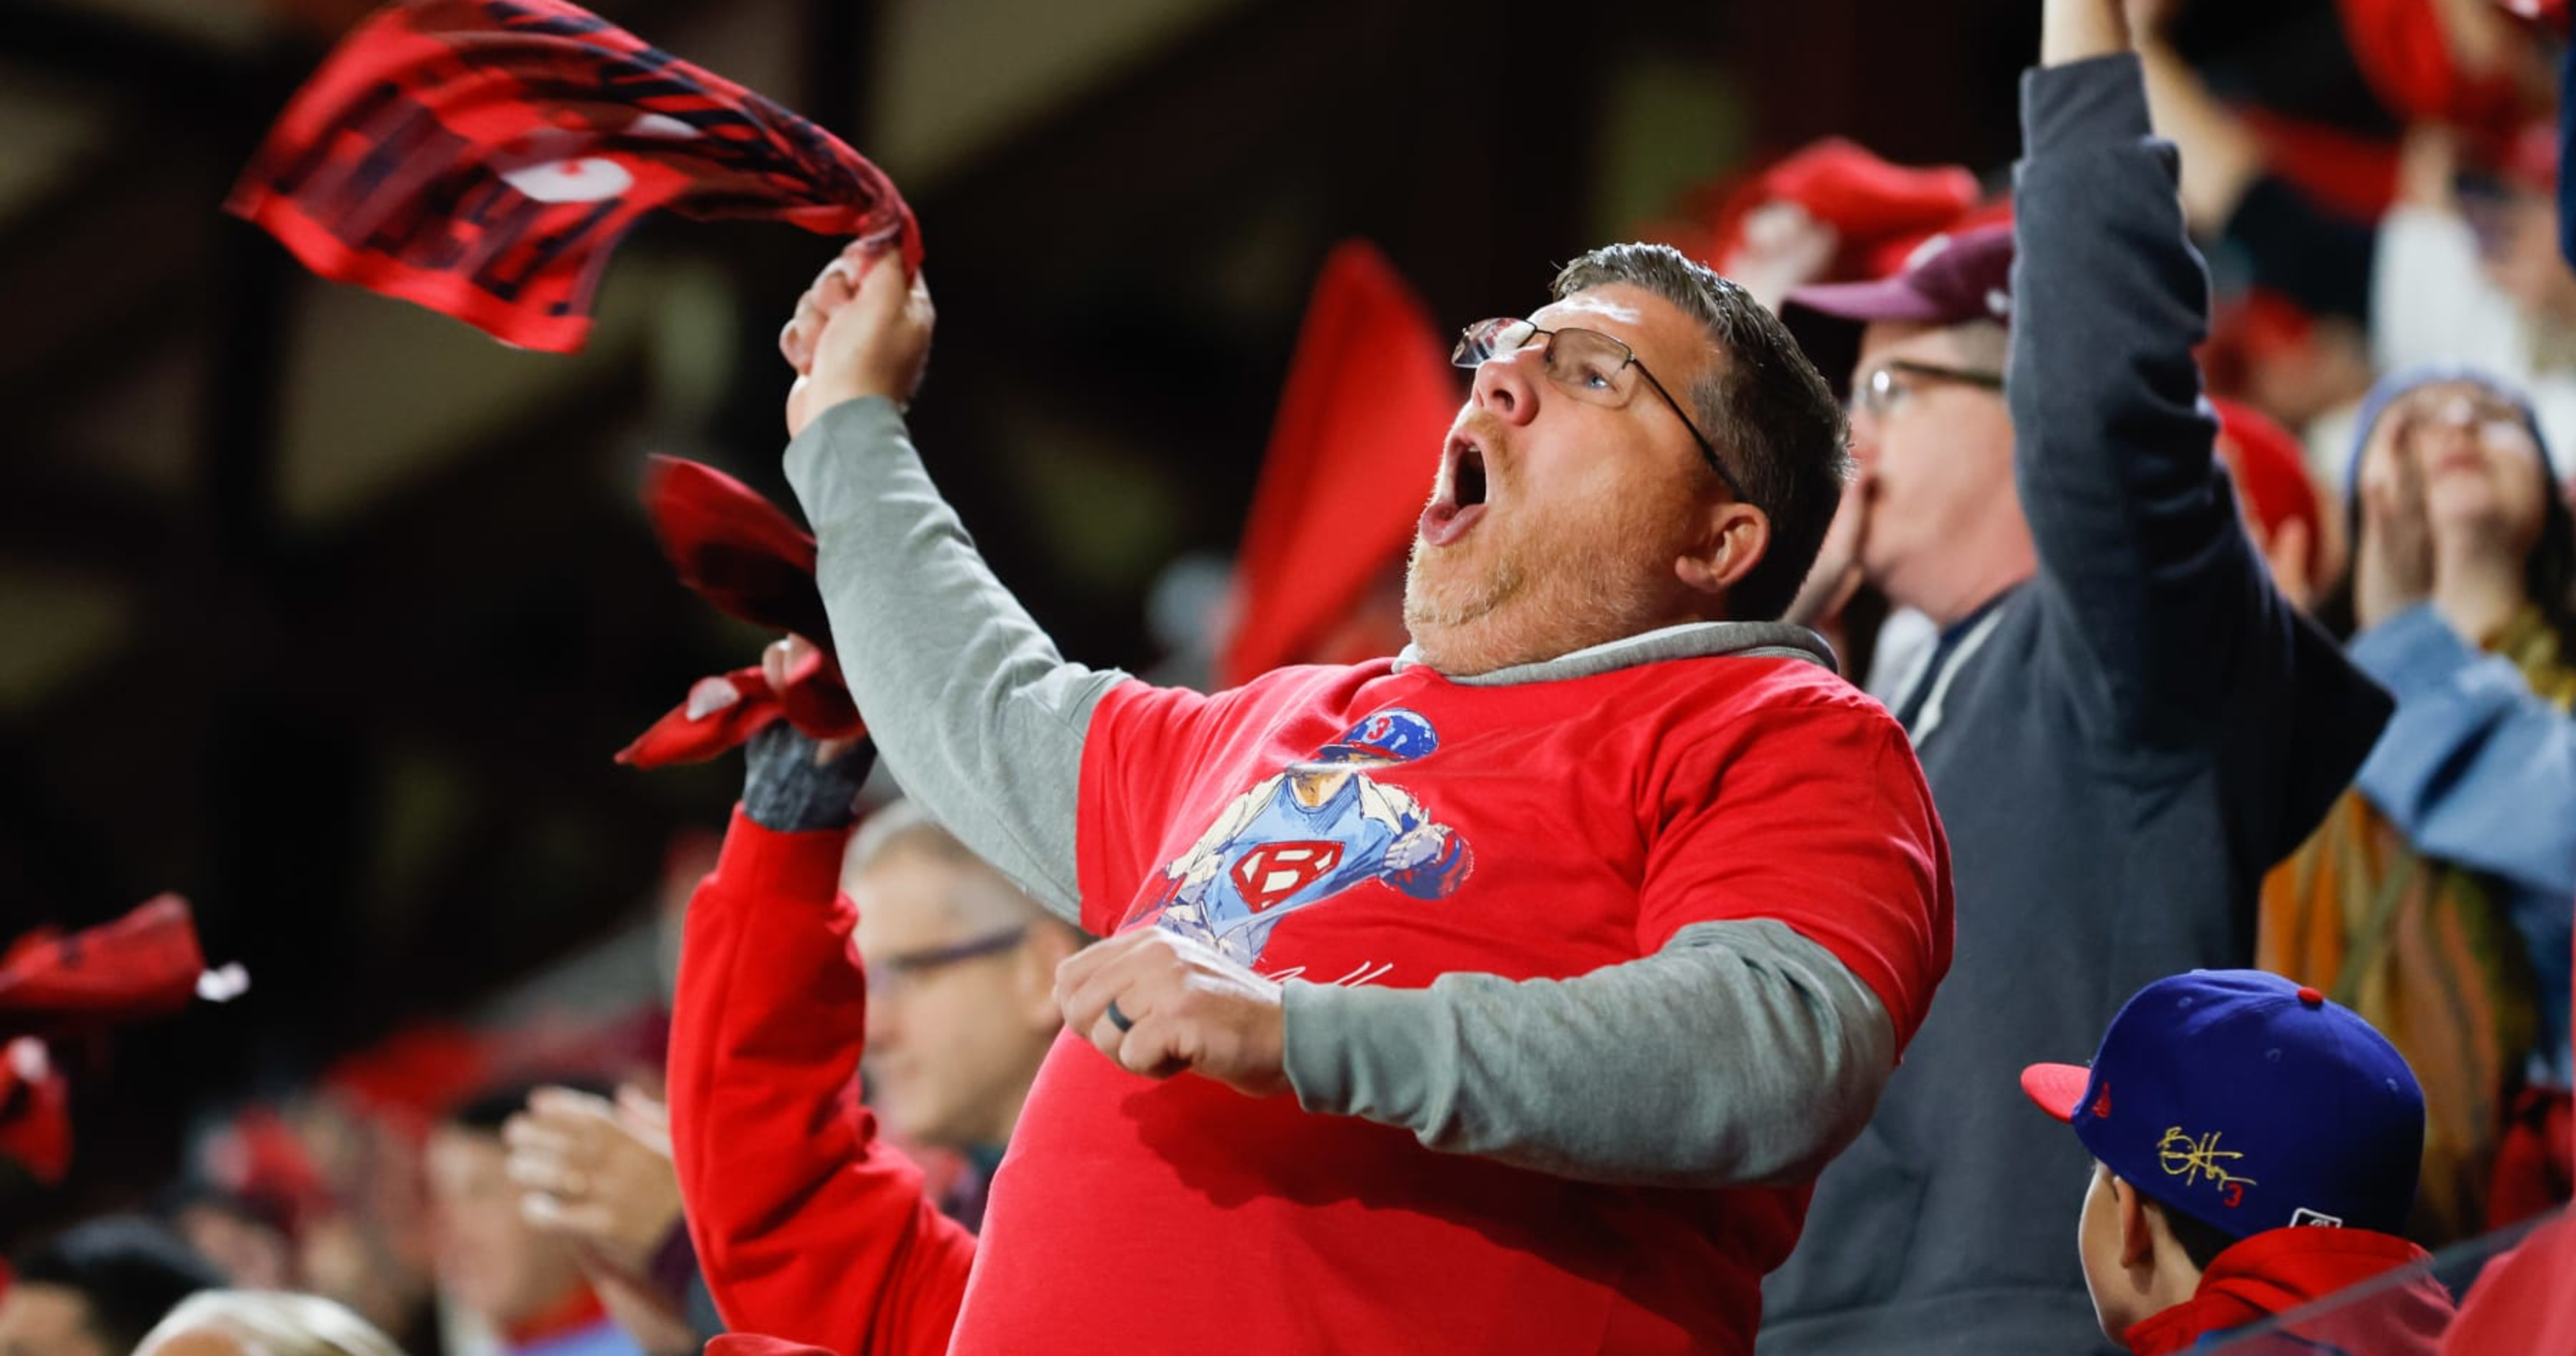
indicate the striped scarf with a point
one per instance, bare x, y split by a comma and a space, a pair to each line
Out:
2425, 951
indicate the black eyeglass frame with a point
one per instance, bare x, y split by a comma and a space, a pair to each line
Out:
1473, 352
888, 971
1866, 393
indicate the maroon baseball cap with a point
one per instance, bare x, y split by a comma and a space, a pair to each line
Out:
1949, 280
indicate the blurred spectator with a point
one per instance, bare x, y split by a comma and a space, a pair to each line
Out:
2123, 723
599, 1172
2469, 273
961, 986
2435, 896
2296, 1128
524, 1283
95, 1289
247, 1239
811, 1226
264, 1323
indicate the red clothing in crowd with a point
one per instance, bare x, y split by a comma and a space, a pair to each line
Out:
807, 1226
1586, 820
2278, 1270
2522, 1302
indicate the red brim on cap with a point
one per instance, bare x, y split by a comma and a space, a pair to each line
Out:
2058, 1088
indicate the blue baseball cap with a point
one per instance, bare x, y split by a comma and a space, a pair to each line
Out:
1394, 735
2249, 1103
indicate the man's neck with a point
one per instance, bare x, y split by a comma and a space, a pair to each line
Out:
1957, 596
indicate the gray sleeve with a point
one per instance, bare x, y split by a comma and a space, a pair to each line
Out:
1741, 1053
967, 700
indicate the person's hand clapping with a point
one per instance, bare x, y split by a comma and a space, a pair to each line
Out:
597, 1170
863, 329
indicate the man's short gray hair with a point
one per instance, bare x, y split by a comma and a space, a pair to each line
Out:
1771, 415
903, 826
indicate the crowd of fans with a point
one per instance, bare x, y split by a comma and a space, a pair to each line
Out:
2264, 778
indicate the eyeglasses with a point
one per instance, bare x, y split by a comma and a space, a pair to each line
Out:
1880, 391
1587, 363
889, 973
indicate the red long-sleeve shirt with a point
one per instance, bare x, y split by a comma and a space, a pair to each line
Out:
807, 1226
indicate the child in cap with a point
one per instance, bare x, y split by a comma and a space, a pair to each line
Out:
2255, 1149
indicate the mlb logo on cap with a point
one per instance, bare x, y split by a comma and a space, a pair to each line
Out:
2249, 1103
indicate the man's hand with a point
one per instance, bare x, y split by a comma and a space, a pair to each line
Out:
597, 1170
2078, 30
1836, 575
1185, 1008
862, 329
776, 662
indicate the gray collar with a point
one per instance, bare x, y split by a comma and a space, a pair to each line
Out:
1690, 640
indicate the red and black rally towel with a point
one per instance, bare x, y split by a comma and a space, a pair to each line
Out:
741, 553
55, 984
482, 158
141, 965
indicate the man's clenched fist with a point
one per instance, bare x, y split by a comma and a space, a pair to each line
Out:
862, 329
1180, 1007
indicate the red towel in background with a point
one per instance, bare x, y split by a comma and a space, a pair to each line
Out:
55, 984
1352, 454
141, 965
734, 548
35, 1111
1879, 211
741, 553
482, 158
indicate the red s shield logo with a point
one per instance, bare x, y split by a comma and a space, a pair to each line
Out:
1274, 871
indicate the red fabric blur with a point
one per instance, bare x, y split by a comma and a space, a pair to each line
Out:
35, 1111
2406, 58
2265, 460
413, 1075
1869, 202
742, 553
141, 965
2522, 1301
1352, 454
753, 1344
483, 158
734, 548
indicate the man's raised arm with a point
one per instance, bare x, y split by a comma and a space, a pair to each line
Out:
968, 701
2138, 542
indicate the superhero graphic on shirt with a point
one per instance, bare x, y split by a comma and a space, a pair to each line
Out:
1313, 831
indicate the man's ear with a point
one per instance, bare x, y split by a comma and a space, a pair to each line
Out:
2137, 1232
1732, 539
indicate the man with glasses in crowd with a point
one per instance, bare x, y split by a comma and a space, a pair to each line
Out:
1602, 913
2123, 724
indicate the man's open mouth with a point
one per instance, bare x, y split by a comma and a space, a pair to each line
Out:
1458, 507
